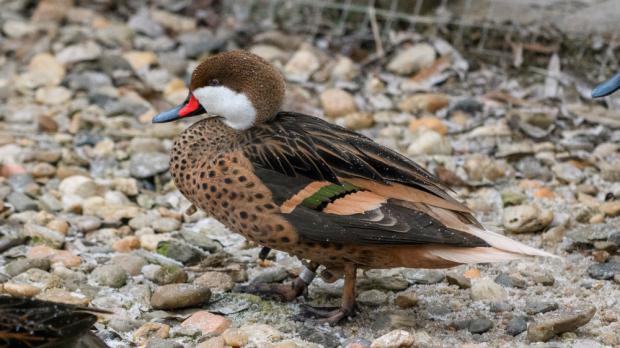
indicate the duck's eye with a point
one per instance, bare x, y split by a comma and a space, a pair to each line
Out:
214, 82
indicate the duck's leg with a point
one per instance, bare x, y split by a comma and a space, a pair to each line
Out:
285, 292
347, 304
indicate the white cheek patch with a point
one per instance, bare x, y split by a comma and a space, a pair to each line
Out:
236, 109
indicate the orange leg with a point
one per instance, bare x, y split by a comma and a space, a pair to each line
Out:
347, 304
285, 292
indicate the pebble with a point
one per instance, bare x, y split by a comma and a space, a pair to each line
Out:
426, 102
513, 280
406, 299
217, 281
516, 325
157, 342
126, 244
424, 276
180, 251
568, 173
547, 328
235, 337
65, 257
526, 219
412, 59
604, 270
429, 123
146, 165
63, 296
501, 306
394, 339
164, 224
18, 266
163, 275
485, 289
358, 120
214, 342
372, 297
149, 330
459, 280
207, 323
44, 234
110, 275
429, 142
21, 202
480, 325
270, 275
175, 296
79, 53
337, 102
52, 95
132, 264
301, 66
535, 307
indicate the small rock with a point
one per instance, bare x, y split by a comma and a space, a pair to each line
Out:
568, 173
270, 275
486, 289
175, 296
43, 170
140, 59
110, 275
146, 165
513, 280
44, 234
157, 342
544, 330
67, 258
63, 296
18, 266
235, 337
429, 123
611, 208
180, 251
429, 143
412, 59
604, 270
261, 333
163, 275
132, 264
536, 307
526, 218
207, 323
406, 299
372, 297
78, 185
301, 66
358, 120
46, 69
165, 224
214, 342
20, 290
148, 330
59, 225
52, 95
424, 276
21, 202
501, 306
459, 280
126, 244
516, 325
215, 281
428, 102
79, 53
394, 339
337, 102
481, 325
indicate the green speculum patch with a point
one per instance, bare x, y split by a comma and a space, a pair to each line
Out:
327, 194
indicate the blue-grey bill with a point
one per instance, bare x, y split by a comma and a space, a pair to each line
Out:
168, 115
606, 88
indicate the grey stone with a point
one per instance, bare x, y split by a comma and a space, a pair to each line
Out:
180, 251
146, 165
271, 275
423, 276
18, 266
516, 325
156, 342
109, 275
604, 270
19, 182
163, 275
480, 325
175, 296
501, 306
458, 279
372, 297
547, 328
21, 202
511, 281
536, 307
132, 264
199, 239
165, 224
142, 23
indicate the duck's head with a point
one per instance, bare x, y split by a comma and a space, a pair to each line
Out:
238, 86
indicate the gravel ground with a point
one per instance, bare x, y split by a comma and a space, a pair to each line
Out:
89, 214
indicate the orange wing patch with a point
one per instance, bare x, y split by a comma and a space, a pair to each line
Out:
290, 204
406, 193
355, 203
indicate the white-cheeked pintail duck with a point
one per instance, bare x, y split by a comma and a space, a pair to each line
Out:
299, 184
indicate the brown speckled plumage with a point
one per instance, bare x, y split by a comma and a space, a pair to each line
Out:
299, 184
